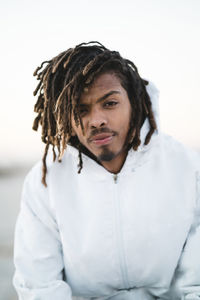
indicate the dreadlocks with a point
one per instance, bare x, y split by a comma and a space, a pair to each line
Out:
61, 82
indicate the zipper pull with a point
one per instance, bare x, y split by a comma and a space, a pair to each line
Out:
115, 177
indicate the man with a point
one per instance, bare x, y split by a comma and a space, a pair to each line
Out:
116, 215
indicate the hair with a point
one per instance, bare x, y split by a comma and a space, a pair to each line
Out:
61, 83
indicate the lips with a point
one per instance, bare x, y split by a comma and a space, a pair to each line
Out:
102, 139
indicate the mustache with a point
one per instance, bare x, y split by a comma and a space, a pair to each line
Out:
96, 131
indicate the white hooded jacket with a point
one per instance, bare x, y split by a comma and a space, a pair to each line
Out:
94, 235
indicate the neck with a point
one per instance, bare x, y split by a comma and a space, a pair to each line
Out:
113, 166
116, 164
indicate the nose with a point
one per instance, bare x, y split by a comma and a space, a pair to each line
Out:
97, 119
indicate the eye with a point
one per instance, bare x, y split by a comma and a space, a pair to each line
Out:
110, 103
83, 111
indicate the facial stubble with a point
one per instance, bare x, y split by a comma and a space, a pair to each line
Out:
106, 155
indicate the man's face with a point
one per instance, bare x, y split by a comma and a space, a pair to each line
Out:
105, 111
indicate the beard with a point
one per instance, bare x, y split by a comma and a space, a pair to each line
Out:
106, 155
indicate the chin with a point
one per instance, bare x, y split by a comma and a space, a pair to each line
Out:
106, 155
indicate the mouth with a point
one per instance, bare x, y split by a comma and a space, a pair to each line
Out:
102, 139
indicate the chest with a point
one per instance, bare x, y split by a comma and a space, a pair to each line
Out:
124, 233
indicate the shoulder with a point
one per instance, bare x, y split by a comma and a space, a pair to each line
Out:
34, 194
34, 177
37, 198
36, 206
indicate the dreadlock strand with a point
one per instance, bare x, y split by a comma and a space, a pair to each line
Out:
151, 119
71, 58
36, 122
40, 67
37, 88
148, 136
92, 42
69, 111
44, 119
60, 98
80, 164
58, 62
97, 64
145, 108
132, 65
54, 153
44, 165
136, 139
49, 122
64, 140
41, 74
66, 129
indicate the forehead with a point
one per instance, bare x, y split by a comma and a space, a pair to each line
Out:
103, 84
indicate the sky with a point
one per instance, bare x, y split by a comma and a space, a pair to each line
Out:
162, 37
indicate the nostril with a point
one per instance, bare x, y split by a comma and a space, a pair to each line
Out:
97, 123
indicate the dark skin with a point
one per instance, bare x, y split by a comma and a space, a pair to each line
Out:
105, 111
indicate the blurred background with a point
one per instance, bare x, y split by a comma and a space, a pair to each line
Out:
161, 37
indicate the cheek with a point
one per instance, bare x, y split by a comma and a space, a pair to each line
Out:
125, 122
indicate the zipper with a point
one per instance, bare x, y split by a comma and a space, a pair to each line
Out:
115, 177
119, 233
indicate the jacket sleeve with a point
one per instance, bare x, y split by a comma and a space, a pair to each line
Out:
186, 284
38, 255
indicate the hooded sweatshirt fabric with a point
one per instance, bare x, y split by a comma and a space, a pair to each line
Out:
98, 236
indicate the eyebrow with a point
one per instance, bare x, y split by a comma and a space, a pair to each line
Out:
107, 95
101, 98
